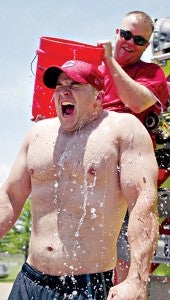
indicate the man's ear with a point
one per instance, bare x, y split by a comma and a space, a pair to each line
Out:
99, 95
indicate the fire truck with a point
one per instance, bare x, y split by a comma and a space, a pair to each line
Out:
160, 269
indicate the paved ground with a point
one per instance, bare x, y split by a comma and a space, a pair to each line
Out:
5, 289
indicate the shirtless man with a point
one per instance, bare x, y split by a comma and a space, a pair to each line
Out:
82, 169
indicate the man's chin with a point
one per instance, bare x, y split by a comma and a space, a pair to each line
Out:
69, 128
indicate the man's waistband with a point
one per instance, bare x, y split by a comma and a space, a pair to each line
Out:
76, 281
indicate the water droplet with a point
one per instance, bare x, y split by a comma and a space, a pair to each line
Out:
93, 216
93, 210
56, 184
76, 234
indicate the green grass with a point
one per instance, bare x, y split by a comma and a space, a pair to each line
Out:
162, 270
166, 184
14, 263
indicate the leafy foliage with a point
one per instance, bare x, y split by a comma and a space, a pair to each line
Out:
16, 241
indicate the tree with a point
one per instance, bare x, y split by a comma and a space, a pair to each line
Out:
16, 241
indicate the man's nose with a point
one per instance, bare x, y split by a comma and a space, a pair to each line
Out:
65, 90
131, 41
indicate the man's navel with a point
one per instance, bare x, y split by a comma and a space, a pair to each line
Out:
92, 171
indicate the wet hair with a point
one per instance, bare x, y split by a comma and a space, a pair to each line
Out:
144, 16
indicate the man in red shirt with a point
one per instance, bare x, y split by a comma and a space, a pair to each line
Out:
132, 85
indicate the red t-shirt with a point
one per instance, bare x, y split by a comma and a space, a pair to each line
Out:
149, 75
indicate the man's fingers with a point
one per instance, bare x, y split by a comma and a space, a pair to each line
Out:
103, 42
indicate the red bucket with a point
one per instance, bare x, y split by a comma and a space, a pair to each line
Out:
54, 51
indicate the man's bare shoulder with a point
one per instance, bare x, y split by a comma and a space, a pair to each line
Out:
45, 124
124, 118
40, 128
127, 125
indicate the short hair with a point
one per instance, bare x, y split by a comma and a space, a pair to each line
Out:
144, 15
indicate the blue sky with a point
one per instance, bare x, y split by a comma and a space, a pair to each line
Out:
22, 23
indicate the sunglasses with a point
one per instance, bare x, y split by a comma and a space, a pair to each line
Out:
138, 40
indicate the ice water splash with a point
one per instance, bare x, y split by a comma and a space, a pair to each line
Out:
86, 190
61, 162
93, 212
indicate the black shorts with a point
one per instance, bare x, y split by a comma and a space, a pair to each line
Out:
31, 284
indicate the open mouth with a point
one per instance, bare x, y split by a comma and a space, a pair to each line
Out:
67, 108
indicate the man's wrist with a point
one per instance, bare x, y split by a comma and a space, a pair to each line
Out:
138, 278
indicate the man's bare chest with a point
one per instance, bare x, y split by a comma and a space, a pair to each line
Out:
71, 155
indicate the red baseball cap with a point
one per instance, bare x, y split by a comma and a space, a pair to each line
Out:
77, 70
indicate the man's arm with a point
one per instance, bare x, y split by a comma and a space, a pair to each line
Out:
14, 192
139, 172
134, 95
138, 180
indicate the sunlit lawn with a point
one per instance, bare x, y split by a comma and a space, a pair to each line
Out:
14, 263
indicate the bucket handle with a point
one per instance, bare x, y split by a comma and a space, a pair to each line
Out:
32, 64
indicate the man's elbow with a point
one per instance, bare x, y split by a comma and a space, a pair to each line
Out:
139, 108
